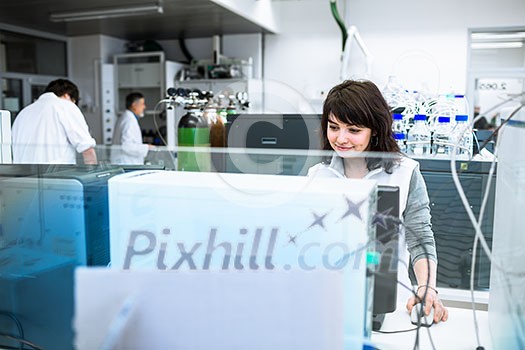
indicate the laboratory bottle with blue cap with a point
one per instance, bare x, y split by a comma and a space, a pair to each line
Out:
462, 134
418, 138
442, 139
399, 131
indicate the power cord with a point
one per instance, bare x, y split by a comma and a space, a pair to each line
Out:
21, 341
395, 332
18, 324
491, 136
155, 120
427, 257
470, 212
477, 223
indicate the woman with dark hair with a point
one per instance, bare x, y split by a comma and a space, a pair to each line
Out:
357, 119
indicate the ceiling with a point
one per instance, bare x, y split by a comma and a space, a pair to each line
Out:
181, 19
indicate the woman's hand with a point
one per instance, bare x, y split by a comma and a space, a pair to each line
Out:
431, 300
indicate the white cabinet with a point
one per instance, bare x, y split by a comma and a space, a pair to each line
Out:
148, 73
140, 72
140, 75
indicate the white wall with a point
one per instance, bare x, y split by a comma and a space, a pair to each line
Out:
110, 46
82, 54
423, 42
85, 54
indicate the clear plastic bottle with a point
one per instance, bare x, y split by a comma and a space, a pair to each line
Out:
418, 139
400, 138
462, 134
443, 140
398, 128
461, 104
398, 125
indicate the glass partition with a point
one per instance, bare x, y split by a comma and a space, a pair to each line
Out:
57, 217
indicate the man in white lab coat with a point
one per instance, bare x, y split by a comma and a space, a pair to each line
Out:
52, 129
127, 137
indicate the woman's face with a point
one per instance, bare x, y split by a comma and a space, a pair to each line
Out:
347, 137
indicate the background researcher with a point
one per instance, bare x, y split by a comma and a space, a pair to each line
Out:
127, 135
52, 129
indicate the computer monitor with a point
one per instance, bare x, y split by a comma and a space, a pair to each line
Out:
271, 131
387, 238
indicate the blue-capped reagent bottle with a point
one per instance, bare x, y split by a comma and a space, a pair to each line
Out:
418, 138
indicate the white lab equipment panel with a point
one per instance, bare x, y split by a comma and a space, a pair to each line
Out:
108, 102
44, 217
5, 137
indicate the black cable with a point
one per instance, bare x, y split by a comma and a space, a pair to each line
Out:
427, 256
394, 332
421, 300
18, 324
22, 341
185, 51
491, 136
8, 347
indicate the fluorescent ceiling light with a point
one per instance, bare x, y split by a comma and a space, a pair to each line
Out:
109, 12
497, 36
502, 45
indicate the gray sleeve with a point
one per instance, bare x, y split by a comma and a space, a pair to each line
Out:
418, 228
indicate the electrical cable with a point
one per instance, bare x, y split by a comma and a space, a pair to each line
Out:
18, 324
400, 331
427, 257
484, 114
185, 51
421, 310
475, 247
477, 224
9, 347
155, 120
475, 137
22, 341
469, 211
484, 144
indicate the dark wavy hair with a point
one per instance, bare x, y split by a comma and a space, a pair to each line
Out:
360, 103
60, 87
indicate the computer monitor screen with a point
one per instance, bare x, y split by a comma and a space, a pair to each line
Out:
272, 131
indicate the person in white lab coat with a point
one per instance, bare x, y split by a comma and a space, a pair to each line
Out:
52, 129
127, 137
